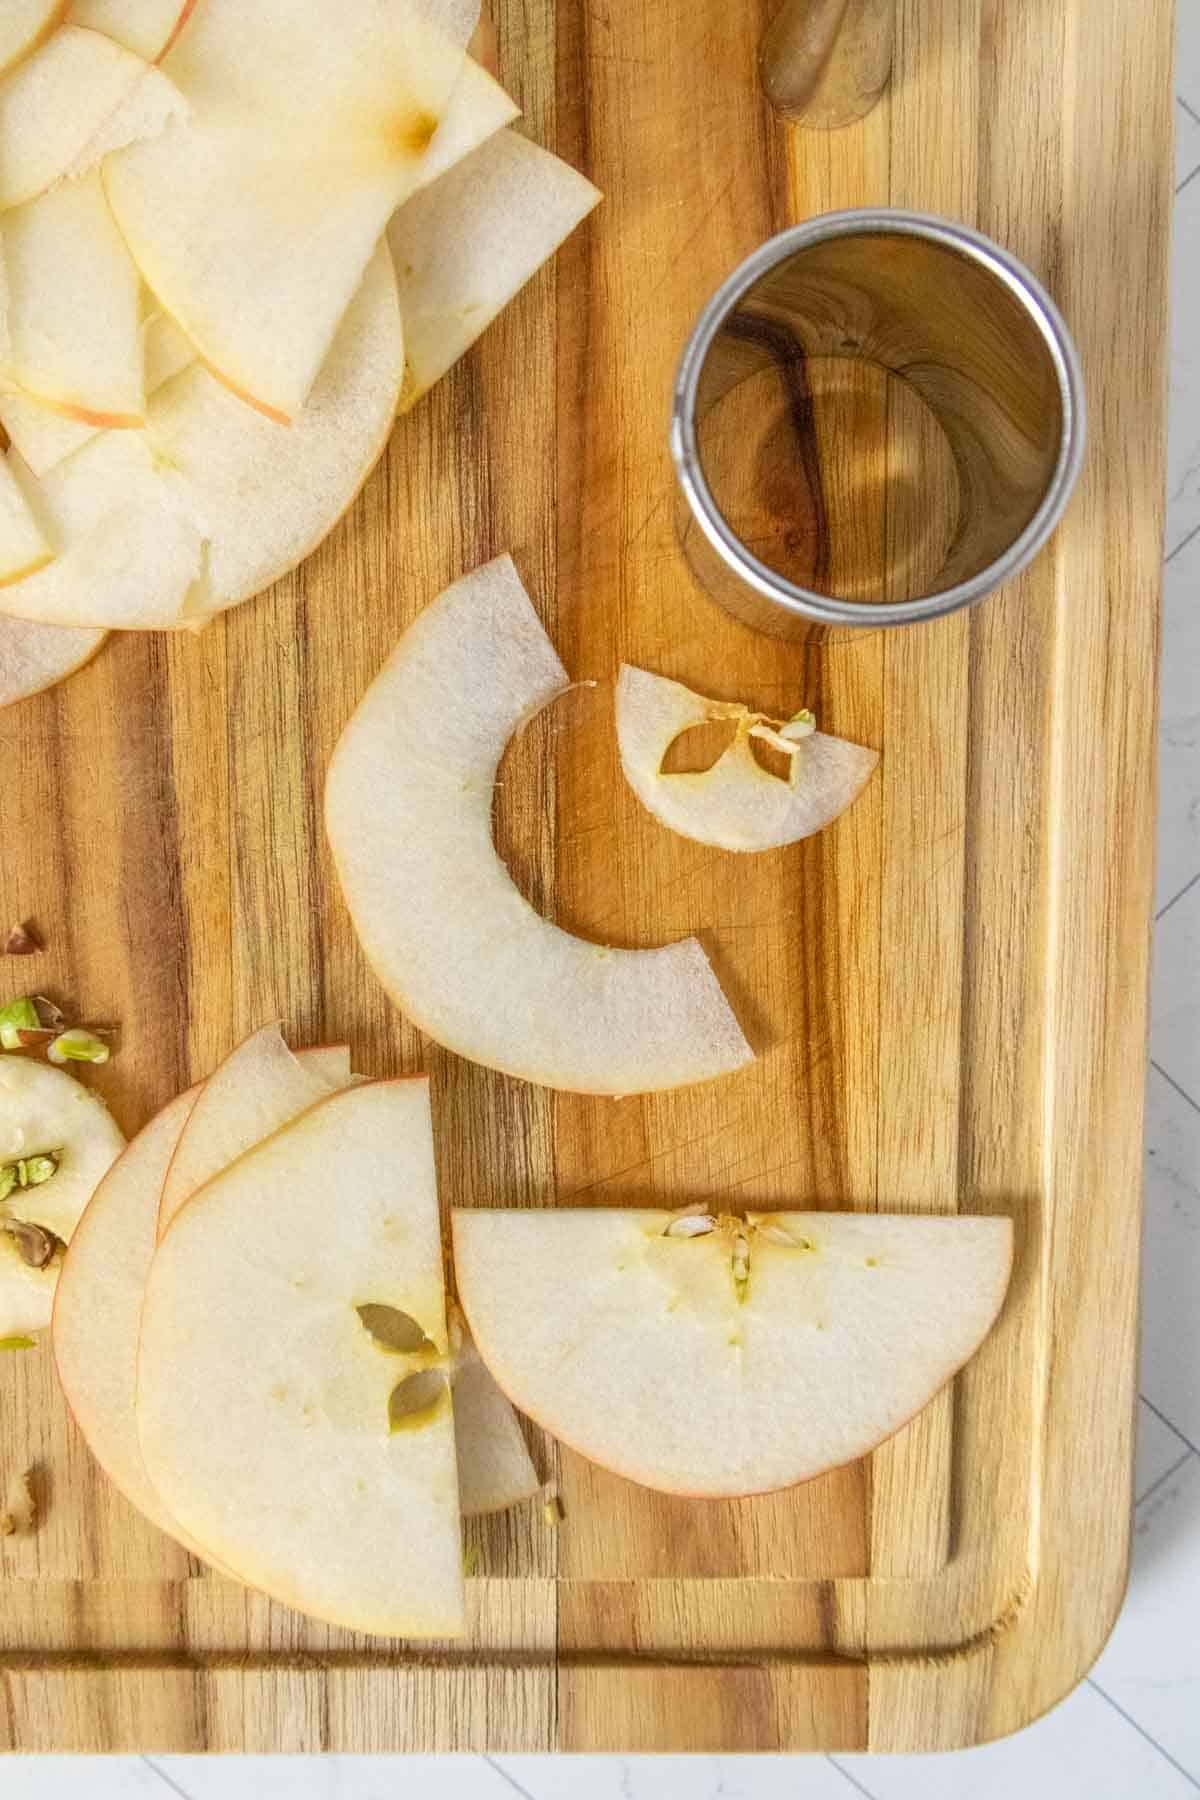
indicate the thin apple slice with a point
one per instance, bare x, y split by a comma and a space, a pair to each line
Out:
722, 1356
44, 438
147, 27
254, 1092
55, 103
98, 1309
303, 1450
75, 337
41, 437
24, 27
265, 494
35, 657
166, 350
477, 109
24, 547
45, 1114
98, 1306
253, 223
129, 551
737, 804
466, 244
408, 807
495, 1469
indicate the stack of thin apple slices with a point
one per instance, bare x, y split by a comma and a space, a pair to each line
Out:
236, 238
251, 1332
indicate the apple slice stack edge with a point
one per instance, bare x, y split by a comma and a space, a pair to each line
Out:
237, 237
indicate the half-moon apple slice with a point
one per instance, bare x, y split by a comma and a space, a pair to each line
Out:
408, 807
721, 1356
98, 1305
309, 1449
737, 804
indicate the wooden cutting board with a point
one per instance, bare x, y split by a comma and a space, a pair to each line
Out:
948, 986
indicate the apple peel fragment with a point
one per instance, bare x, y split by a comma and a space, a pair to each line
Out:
737, 804
408, 805
726, 1356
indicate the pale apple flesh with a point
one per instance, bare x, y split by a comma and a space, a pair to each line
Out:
467, 243
24, 547
35, 657
738, 803
24, 27
255, 1091
726, 1356
254, 222
495, 1469
98, 1304
74, 326
147, 27
408, 809
278, 1429
44, 1112
55, 104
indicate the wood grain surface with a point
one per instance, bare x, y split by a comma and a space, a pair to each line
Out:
947, 987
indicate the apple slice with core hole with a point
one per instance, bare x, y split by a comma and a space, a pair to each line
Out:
724, 1356
147, 27
467, 243
251, 1094
58, 1139
408, 808
129, 552
737, 804
23, 545
34, 657
55, 103
98, 1305
75, 335
253, 222
24, 27
495, 1469
288, 1428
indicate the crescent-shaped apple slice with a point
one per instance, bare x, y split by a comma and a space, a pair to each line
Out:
408, 807
23, 545
737, 804
287, 1427
57, 1138
721, 1356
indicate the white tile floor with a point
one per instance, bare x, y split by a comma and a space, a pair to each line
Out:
1132, 1730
